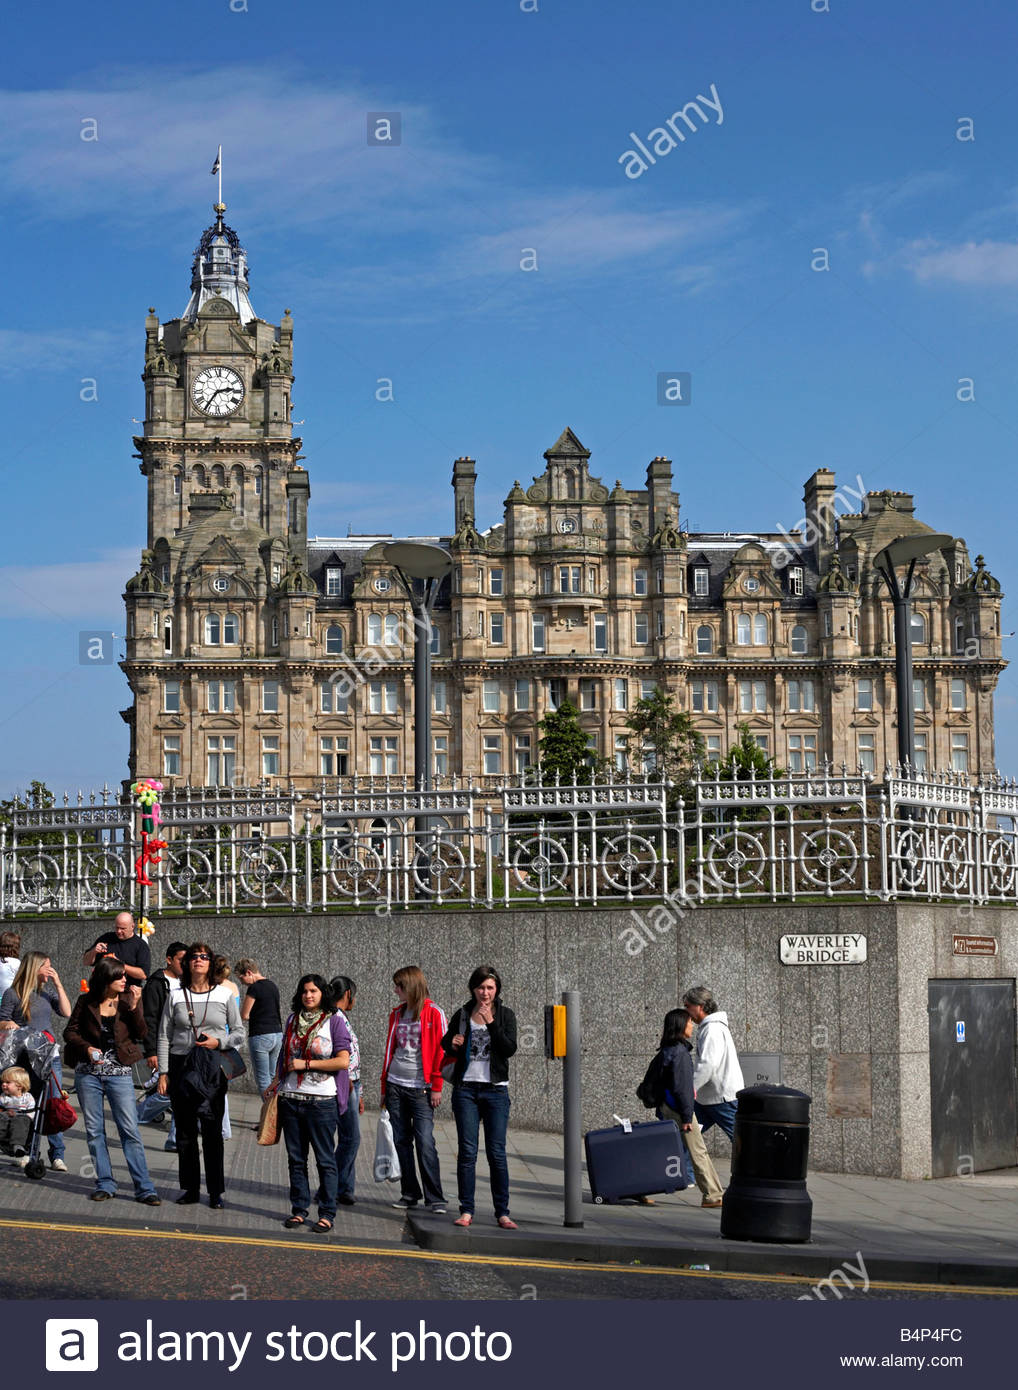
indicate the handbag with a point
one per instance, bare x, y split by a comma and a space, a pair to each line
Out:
268, 1120
451, 1058
386, 1158
57, 1113
231, 1063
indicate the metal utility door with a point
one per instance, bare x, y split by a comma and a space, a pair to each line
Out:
972, 1075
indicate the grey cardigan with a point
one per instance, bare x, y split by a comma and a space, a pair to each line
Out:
215, 1014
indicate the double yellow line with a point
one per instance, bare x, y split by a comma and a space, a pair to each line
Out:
495, 1261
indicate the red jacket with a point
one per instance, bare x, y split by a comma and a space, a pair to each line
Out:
433, 1028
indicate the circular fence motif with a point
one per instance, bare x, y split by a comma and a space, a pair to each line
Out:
37, 879
104, 875
355, 869
955, 863
539, 864
629, 863
1001, 868
737, 861
187, 875
264, 873
828, 858
439, 868
909, 855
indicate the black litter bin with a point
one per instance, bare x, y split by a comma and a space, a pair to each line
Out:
767, 1197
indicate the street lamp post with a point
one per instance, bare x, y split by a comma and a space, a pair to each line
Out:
905, 550
420, 568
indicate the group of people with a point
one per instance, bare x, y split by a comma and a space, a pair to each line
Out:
188, 1021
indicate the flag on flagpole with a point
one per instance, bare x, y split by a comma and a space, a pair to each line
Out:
219, 161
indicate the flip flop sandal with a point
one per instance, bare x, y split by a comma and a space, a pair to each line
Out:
321, 1227
293, 1221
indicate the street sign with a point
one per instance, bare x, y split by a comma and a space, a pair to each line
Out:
824, 948
959, 1031
761, 1068
976, 946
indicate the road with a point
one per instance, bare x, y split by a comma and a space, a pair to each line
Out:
64, 1259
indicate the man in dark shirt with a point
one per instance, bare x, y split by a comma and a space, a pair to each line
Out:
125, 945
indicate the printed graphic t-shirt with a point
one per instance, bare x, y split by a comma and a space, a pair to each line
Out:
405, 1067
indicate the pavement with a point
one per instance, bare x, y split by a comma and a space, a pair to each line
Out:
957, 1231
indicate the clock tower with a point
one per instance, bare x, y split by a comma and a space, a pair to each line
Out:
226, 525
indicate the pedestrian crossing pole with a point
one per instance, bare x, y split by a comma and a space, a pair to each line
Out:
562, 1039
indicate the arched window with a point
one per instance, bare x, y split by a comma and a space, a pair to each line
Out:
742, 629
855, 627
200, 476
258, 482
392, 629
333, 640
704, 641
168, 635
799, 640
374, 628
231, 630
218, 476
212, 630
178, 482
759, 630
918, 628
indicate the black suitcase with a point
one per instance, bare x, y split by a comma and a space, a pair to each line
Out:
648, 1158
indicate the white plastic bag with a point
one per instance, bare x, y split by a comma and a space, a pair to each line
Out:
386, 1158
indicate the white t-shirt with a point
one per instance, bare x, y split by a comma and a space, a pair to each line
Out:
314, 1083
479, 1066
405, 1065
8, 969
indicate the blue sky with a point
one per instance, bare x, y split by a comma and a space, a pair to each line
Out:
839, 130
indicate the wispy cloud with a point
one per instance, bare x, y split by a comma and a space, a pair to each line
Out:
48, 350
469, 215
979, 263
79, 589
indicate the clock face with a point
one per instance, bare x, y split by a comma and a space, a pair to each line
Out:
567, 525
217, 390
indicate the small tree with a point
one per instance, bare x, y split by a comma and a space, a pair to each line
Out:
669, 734
37, 798
746, 759
565, 752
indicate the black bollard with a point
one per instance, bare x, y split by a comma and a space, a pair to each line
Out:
767, 1198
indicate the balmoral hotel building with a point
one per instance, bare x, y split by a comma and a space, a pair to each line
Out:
255, 651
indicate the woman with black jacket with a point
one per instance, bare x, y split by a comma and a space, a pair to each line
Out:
677, 1101
482, 1038
102, 1041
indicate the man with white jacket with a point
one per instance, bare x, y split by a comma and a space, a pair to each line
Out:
717, 1076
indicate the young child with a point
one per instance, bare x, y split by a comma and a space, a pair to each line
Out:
17, 1109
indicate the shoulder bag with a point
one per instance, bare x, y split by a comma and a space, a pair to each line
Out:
231, 1063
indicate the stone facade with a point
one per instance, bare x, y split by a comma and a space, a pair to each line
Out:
255, 652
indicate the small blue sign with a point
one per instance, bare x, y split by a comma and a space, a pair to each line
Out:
959, 1031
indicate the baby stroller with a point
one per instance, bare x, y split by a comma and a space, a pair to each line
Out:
36, 1052
153, 1109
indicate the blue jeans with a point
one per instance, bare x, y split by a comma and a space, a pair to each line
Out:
264, 1050
413, 1125
310, 1123
348, 1141
473, 1104
722, 1114
55, 1142
119, 1091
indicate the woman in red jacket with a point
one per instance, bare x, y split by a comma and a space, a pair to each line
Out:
412, 1086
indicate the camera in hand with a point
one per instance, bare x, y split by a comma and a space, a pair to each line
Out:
203, 1037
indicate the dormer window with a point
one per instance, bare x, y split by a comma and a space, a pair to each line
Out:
333, 582
701, 578
795, 581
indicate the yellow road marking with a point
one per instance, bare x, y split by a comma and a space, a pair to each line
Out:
499, 1261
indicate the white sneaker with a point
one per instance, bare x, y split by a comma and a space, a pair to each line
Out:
22, 1162
58, 1165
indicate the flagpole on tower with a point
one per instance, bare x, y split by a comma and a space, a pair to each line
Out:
217, 168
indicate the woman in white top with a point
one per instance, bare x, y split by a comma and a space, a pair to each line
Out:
314, 1089
482, 1038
